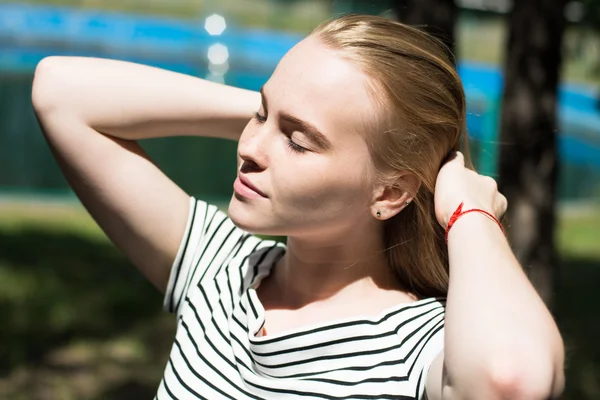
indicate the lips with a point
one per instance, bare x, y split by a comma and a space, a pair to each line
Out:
249, 184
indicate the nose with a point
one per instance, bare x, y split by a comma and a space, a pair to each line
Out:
253, 148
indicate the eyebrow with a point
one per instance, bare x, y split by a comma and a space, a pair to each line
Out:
308, 129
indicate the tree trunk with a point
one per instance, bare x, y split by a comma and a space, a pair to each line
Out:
528, 155
437, 17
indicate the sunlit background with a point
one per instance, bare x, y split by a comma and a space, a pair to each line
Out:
77, 322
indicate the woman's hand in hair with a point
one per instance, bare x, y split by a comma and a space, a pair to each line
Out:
505, 343
457, 184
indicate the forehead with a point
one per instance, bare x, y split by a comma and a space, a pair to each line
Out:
316, 84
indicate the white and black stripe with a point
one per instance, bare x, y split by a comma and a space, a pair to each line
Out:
217, 355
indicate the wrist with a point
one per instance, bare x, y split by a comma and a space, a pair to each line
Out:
462, 212
472, 227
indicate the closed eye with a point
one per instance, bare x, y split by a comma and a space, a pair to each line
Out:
259, 117
293, 146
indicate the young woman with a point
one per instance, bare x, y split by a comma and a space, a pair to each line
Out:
345, 152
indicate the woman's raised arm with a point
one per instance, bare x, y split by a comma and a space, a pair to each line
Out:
91, 112
501, 341
133, 101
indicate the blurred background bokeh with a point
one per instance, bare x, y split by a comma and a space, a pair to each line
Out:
78, 322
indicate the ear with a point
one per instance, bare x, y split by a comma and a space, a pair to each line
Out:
389, 199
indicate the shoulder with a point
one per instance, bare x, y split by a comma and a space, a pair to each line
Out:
419, 312
420, 328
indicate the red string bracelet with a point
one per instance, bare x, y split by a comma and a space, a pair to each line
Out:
459, 213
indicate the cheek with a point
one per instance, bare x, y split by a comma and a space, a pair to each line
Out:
318, 187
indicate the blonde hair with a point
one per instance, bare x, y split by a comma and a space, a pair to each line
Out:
420, 95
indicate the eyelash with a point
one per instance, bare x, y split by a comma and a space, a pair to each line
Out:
259, 117
291, 144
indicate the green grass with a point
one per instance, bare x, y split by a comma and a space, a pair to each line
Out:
78, 322
578, 234
578, 240
64, 289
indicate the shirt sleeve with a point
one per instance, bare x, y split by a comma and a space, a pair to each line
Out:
430, 350
209, 236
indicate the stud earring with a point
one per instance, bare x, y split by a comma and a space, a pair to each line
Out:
378, 214
408, 202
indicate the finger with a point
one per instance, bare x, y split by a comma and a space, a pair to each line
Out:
501, 205
459, 159
450, 156
491, 182
455, 158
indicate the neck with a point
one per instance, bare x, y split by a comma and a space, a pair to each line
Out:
343, 267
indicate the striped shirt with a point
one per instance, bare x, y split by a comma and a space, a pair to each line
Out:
218, 355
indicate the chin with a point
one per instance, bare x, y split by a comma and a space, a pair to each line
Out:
245, 217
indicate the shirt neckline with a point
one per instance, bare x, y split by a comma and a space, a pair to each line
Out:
256, 323
256, 317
